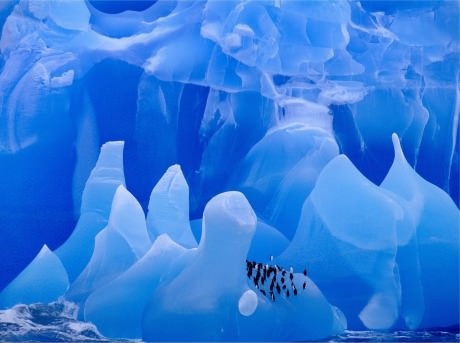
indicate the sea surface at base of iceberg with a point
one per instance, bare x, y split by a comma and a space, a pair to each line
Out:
55, 322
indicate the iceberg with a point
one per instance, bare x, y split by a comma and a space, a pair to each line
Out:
117, 308
103, 182
382, 264
245, 170
116, 247
280, 170
42, 281
213, 299
431, 230
168, 210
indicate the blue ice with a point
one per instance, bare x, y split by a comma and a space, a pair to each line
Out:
159, 161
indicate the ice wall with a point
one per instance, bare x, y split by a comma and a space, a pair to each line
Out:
291, 103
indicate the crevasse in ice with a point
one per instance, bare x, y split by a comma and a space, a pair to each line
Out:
149, 154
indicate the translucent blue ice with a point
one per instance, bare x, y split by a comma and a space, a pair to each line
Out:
43, 280
96, 205
158, 158
168, 210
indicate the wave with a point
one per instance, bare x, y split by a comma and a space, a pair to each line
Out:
53, 322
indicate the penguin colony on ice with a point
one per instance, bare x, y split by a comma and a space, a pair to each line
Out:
273, 281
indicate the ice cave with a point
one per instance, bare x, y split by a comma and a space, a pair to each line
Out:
216, 170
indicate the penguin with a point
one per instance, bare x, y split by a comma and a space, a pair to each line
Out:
294, 290
305, 272
304, 285
278, 288
256, 281
269, 271
287, 293
282, 280
291, 276
263, 292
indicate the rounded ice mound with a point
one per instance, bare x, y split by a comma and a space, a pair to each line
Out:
203, 299
214, 298
248, 303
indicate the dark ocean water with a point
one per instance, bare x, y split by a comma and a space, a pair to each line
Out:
398, 336
56, 322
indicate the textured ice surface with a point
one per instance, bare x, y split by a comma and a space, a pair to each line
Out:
317, 135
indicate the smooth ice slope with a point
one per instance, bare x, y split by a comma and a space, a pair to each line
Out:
44, 280
205, 294
212, 298
97, 198
380, 247
341, 212
168, 210
280, 170
122, 242
429, 247
117, 308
